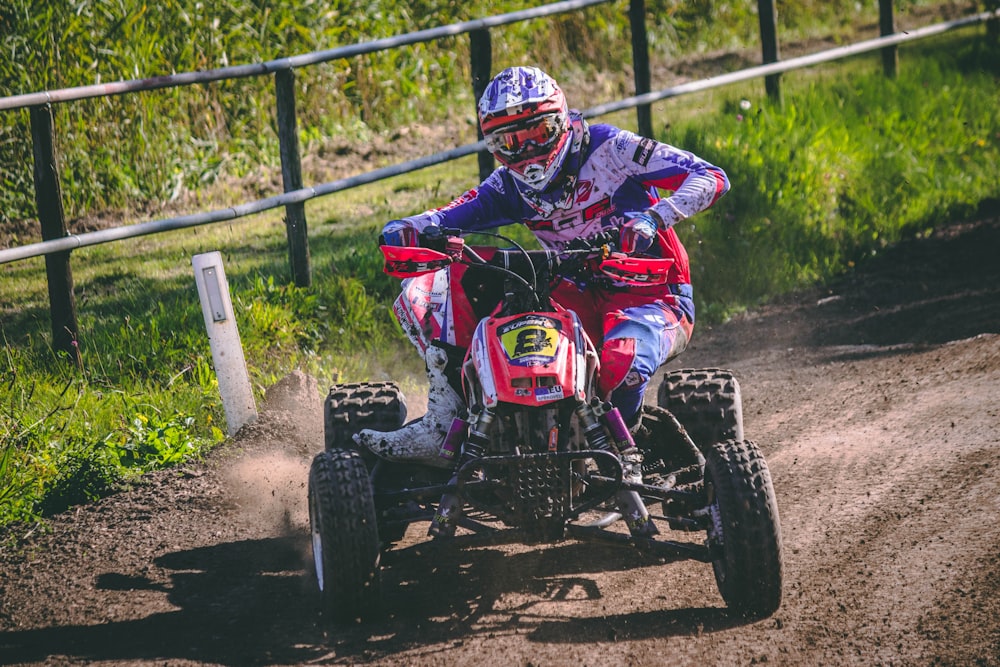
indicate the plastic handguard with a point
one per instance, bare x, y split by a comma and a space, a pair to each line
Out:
409, 261
636, 270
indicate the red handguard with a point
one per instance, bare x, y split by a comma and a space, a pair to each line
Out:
636, 270
409, 261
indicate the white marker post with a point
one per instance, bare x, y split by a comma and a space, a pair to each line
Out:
224, 338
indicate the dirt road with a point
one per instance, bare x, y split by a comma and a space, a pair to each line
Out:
875, 402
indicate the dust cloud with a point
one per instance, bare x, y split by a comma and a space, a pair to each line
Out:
268, 482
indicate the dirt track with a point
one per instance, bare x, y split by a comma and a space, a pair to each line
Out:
876, 404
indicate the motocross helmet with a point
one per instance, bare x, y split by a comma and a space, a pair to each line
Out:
526, 124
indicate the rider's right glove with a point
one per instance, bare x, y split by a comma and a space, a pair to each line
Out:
638, 232
399, 233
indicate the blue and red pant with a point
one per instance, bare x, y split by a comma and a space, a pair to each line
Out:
636, 331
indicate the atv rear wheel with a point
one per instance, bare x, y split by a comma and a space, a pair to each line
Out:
349, 408
744, 527
345, 540
707, 403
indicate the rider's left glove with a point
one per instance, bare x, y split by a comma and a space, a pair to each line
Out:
637, 234
433, 237
399, 233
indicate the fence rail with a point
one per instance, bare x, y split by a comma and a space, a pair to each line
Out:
58, 244
292, 62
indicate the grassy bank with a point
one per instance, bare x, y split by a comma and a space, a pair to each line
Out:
853, 162
850, 163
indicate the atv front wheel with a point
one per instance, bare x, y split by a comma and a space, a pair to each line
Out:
744, 528
345, 540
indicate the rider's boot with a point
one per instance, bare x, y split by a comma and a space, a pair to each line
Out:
630, 502
632, 466
633, 508
631, 455
420, 440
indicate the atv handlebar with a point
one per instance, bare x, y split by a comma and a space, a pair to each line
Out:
595, 256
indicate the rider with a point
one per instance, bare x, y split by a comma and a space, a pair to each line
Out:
565, 179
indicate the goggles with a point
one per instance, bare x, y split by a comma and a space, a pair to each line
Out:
527, 140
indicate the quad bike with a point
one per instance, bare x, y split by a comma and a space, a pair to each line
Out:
537, 457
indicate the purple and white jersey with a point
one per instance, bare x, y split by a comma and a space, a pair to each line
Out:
620, 173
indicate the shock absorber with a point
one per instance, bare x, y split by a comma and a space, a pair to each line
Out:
450, 507
593, 431
623, 440
629, 502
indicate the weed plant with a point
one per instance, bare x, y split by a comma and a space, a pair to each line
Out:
850, 163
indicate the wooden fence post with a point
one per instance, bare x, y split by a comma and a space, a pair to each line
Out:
291, 176
768, 16
640, 65
993, 24
887, 26
481, 61
48, 199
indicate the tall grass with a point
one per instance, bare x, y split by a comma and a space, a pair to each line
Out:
141, 151
850, 163
147, 395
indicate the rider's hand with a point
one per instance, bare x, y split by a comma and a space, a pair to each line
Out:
399, 233
433, 237
637, 234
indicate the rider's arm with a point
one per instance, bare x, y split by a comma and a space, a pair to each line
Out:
694, 182
485, 207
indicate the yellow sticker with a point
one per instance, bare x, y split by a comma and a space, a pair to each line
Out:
530, 338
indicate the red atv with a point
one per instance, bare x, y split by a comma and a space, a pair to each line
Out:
539, 457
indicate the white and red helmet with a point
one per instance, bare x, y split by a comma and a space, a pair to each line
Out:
525, 121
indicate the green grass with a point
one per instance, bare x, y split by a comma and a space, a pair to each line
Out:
135, 151
147, 395
849, 164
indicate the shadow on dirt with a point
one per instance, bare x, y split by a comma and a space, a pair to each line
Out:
917, 291
238, 603
250, 602
637, 626
913, 295
440, 596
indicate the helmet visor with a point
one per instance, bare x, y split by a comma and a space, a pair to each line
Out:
527, 140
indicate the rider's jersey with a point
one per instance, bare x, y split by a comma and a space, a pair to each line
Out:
620, 173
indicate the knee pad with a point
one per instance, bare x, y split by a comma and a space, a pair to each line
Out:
617, 359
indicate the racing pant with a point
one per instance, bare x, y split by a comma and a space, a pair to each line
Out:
636, 330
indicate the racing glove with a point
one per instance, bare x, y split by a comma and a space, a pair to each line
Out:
399, 233
433, 237
638, 232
